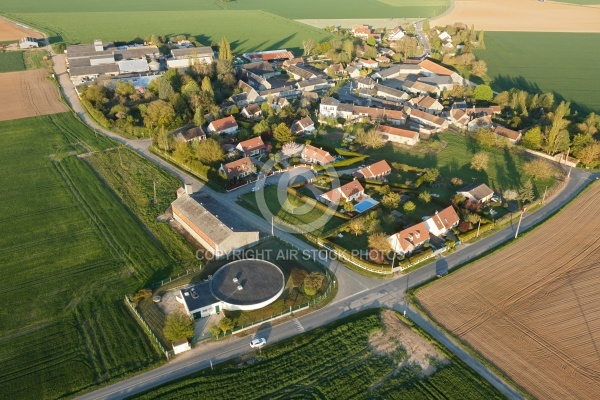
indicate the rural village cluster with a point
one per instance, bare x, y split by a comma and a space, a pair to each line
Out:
372, 155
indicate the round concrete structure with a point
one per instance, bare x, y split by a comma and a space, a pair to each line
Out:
247, 284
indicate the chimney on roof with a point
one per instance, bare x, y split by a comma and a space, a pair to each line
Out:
188, 189
98, 45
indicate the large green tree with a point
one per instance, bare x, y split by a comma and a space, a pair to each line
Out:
225, 53
209, 152
533, 139
282, 133
159, 114
178, 326
483, 93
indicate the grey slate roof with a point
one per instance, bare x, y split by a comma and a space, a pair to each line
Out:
93, 70
214, 218
205, 297
205, 51
478, 190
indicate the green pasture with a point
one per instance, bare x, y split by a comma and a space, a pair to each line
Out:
564, 63
288, 9
454, 160
330, 362
69, 253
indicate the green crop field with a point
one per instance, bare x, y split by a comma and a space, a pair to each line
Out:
12, 61
564, 63
248, 24
331, 362
21, 60
69, 253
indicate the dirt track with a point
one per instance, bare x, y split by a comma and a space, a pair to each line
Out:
28, 94
533, 308
10, 31
523, 15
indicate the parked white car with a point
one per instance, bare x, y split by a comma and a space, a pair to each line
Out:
258, 342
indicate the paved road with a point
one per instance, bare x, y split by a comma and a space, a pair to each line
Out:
355, 293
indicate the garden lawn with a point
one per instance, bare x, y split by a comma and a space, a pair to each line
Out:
564, 63
308, 219
331, 362
454, 160
69, 253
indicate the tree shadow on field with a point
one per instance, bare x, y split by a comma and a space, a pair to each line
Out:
507, 82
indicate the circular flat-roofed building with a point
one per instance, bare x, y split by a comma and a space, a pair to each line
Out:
247, 284
240, 285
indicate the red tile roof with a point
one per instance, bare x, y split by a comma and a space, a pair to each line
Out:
435, 68
252, 144
412, 237
236, 168
314, 153
508, 133
346, 191
224, 123
376, 170
389, 130
445, 219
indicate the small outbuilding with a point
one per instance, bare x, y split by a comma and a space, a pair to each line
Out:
181, 346
28, 43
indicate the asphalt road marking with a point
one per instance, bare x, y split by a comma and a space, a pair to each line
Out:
299, 326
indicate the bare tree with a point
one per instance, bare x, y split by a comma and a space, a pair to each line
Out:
308, 45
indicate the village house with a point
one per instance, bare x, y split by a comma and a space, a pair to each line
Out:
413, 84
252, 111
396, 34
429, 68
441, 222
331, 107
365, 83
257, 69
237, 169
190, 135
293, 61
328, 107
312, 85
410, 239
377, 171
389, 93
212, 224
315, 155
251, 147
361, 31
188, 56
372, 64
304, 72
351, 191
286, 91
227, 125
337, 70
353, 71
248, 95
477, 192
427, 104
433, 122
382, 59
279, 103
446, 39
303, 126
512, 136
375, 36
398, 135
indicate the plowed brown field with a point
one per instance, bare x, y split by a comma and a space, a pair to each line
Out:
523, 16
10, 31
533, 308
28, 94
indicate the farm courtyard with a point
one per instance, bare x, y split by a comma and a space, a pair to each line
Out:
531, 308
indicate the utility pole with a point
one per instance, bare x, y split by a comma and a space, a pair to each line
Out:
211, 366
478, 226
519, 224
155, 200
272, 225
544, 197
